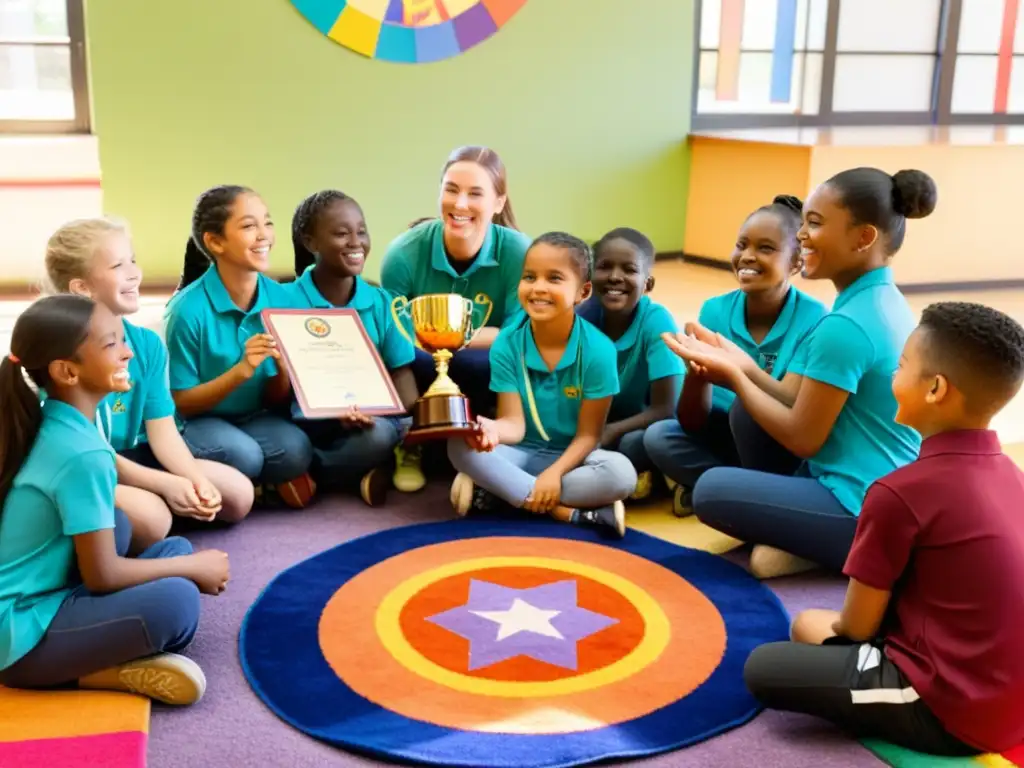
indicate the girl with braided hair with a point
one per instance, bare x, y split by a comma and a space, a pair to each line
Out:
331, 244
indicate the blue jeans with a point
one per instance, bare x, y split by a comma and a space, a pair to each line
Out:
796, 514
729, 439
343, 455
95, 632
631, 445
509, 472
263, 447
469, 368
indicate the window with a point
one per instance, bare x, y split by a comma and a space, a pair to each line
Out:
43, 83
765, 63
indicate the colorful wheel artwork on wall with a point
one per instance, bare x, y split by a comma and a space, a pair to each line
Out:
408, 31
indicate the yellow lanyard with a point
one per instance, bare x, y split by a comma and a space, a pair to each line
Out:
531, 401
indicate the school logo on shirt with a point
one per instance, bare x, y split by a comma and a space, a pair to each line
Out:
767, 362
573, 393
118, 407
318, 327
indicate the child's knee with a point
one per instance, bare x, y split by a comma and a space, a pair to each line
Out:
237, 496
293, 455
656, 437
172, 613
458, 452
622, 475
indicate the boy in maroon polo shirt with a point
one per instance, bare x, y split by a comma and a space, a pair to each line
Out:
928, 651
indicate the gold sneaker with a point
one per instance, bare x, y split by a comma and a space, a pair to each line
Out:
166, 677
408, 477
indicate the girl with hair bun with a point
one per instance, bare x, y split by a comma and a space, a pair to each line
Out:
765, 318
834, 408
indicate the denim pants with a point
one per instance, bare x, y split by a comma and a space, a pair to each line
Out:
264, 447
631, 445
796, 514
469, 368
729, 439
509, 472
91, 632
342, 455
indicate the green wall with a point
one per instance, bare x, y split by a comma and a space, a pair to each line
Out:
587, 102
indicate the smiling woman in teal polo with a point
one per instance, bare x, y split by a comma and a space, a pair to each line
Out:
475, 250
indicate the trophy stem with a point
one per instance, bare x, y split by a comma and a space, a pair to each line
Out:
443, 385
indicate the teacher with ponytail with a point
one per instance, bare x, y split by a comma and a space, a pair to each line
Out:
474, 249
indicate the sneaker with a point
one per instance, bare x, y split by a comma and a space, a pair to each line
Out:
408, 477
297, 493
770, 563
644, 485
610, 519
466, 497
670, 483
682, 501
166, 677
374, 487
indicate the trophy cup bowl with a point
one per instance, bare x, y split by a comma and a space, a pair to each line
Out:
443, 324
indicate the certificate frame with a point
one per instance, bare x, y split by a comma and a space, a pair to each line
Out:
390, 404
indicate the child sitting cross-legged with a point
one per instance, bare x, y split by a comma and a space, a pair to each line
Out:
927, 650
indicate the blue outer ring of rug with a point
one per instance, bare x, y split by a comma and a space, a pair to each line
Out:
301, 688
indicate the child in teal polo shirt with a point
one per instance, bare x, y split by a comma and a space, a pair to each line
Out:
223, 372
475, 250
157, 475
765, 317
835, 407
331, 244
555, 375
74, 607
650, 375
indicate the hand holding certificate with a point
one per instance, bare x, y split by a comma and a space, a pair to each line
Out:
333, 364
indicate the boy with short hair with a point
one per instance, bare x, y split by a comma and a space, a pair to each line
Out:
928, 651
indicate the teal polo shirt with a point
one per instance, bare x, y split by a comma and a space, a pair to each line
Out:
374, 307
857, 348
416, 264
727, 315
64, 488
206, 335
587, 371
642, 355
123, 415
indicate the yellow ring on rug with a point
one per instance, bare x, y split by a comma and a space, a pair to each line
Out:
654, 642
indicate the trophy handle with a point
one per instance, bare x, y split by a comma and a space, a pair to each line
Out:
485, 300
399, 307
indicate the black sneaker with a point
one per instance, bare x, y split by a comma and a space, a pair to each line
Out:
682, 501
610, 520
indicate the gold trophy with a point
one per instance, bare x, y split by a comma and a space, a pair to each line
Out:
443, 324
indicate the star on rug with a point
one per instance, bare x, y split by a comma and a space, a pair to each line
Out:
544, 623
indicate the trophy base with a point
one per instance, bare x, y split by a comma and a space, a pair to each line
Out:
439, 418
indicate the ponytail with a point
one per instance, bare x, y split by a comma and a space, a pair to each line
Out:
19, 423
506, 217
195, 266
53, 328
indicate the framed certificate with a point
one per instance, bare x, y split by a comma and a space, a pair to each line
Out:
332, 362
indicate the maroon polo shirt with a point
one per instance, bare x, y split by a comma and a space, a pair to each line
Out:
946, 535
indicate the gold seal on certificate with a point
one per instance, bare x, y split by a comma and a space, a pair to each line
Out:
443, 324
332, 362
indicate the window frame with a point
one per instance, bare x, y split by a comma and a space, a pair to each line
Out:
81, 123
940, 113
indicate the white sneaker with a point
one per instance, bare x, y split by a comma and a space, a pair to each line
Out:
166, 677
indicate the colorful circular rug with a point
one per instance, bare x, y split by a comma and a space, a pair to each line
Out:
505, 643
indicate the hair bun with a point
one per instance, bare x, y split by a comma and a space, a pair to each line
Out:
914, 194
791, 202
